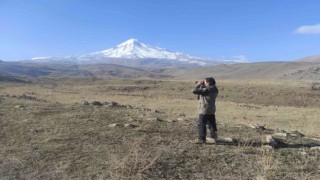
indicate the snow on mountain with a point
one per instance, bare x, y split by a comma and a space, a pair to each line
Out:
135, 53
134, 49
69, 59
41, 58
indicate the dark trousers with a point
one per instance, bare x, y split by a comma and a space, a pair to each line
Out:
203, 120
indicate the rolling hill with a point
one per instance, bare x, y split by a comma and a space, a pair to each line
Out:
309, 59
35, 70
261, 70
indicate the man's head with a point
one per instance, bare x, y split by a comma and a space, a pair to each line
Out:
210, 81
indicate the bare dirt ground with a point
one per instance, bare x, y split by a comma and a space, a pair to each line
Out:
60, 129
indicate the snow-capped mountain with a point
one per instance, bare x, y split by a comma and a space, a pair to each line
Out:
133, 49
135, 53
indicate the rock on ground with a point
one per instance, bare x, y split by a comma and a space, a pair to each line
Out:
114, 125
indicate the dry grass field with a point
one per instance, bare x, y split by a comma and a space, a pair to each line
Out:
50, 129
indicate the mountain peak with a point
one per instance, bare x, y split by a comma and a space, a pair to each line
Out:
131, 43
135, 49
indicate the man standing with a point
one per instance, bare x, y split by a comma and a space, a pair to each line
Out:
207, 94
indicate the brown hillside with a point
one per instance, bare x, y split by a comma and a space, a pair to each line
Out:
310, 59
261, 70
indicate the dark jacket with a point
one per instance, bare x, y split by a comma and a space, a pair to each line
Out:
207, 98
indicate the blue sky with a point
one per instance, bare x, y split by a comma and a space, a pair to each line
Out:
258, 30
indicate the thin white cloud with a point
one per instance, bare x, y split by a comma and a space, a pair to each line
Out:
309, 29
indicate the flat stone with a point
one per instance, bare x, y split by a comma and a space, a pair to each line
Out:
267, 147
256, 126
171, 120
129, 107
271, 140
296, 133
314, 139
280, 134
129, 125
316, 148
114, 125
303, 153
280, 131
260, 177
228, 139
85, 103
180, 119
293, 135
141, 116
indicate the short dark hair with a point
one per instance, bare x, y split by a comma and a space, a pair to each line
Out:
211, 80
